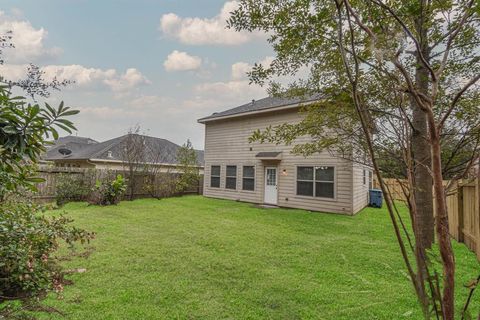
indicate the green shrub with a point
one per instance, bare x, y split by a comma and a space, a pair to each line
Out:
28, 241
161, 185
73, 187
108, 191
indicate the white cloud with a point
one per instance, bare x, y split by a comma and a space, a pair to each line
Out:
152, 103
130, 79
181, 61
82, 76
231, 91
267, 61
201, 31
235, 91
240, 69
12, 72
106, 113
29, 42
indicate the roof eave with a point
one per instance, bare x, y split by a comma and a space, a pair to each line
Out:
244, 114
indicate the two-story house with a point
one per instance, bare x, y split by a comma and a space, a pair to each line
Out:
265, 173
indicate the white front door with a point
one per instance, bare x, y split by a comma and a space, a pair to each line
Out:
271, 185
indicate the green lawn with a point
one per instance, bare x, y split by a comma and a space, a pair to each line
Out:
198, 258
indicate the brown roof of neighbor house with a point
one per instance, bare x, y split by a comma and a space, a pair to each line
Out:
265, 104
163, 151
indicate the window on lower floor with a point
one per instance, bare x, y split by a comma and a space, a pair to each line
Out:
316, 181
231, 177
370, 180
248, 178
215, 177
305, 181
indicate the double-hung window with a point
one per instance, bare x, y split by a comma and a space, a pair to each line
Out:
248, 178
316, 181
231, 177
305, 181
215, 177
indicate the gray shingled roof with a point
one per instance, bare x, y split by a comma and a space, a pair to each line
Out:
62, 141
261, 105
164, 151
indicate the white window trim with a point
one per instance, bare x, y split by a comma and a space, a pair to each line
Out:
335, 185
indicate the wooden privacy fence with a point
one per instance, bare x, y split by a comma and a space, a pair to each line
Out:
463, 205
395, 187
47, 190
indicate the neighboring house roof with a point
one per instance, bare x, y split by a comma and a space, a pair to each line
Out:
160, 150
69, 140
265, 104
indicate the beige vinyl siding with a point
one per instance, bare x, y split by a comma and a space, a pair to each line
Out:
360, 190
226, 143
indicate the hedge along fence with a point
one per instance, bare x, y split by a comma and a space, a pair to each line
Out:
463, 205
146, 185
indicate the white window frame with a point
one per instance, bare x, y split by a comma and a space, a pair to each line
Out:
314, 181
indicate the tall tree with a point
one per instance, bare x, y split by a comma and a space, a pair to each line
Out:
134, 157
187, 159
391, 73
420, 148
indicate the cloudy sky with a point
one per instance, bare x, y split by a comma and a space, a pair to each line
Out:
161, 64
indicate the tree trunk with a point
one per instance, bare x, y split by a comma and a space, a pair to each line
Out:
421, 149
423, 220
445, 246
132, 183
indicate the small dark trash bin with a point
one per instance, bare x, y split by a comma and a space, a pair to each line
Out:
376, 198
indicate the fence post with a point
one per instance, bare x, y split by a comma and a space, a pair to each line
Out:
477, 211
460, 212
200, 185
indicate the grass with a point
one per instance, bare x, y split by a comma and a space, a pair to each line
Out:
199, 258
